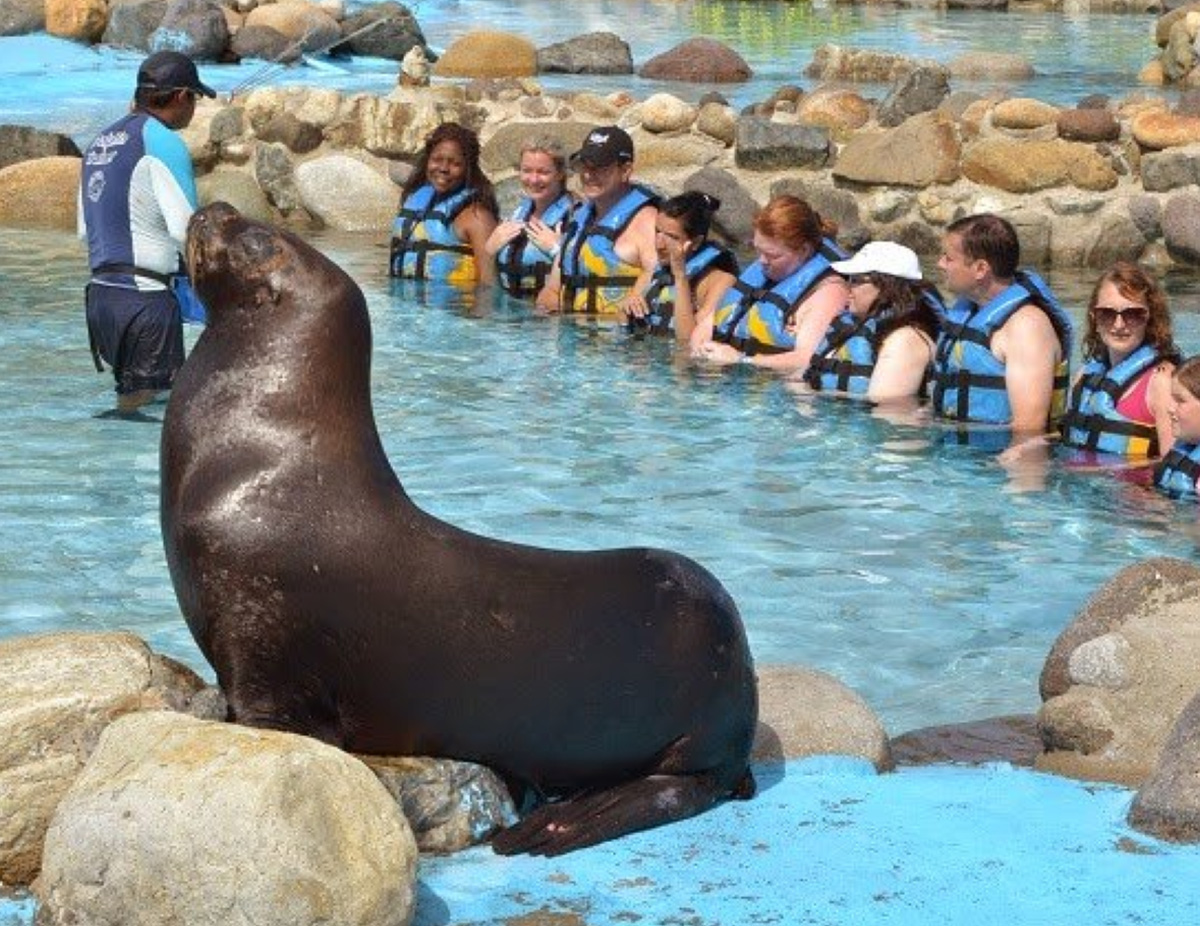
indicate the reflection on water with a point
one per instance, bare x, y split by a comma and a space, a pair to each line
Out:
866, 546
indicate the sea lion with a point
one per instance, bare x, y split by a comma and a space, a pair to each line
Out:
617, 685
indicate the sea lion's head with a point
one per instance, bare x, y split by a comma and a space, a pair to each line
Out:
236, 265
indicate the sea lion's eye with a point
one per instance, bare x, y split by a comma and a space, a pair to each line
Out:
258, 244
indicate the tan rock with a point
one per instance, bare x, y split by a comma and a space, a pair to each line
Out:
922, 150
974, 116
1023, 113
488, 54
239, 189
718, 121
983, 65
688, 151
1029, 166
839, 110
1158, 129
298, 21
1152, 74
803, 712
79, 20
346, 194
664, 112
40, 193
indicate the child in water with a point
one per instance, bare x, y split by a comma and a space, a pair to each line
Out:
1178, 471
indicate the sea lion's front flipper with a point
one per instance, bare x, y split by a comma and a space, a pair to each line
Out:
573, 823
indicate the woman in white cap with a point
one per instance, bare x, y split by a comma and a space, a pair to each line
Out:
882, 345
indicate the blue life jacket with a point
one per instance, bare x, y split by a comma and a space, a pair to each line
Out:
754, 313
424, 243
523, 268
845, 358
660, 292
1093, 422
968, 379
594, 279
1176, 473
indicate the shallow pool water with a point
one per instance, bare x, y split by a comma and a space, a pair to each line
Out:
916, 570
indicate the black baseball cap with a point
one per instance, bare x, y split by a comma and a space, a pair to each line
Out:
171, 70
604, 146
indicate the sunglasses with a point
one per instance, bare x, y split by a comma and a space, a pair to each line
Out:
1132, 315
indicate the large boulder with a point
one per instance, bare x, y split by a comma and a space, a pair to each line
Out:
240, 190
1171, 169
396, 34
834, 63
666, 113
1088, 125
991, 65
488, 54
735, 217
592, 53
838, 109
21, 17
23, 143
60, 691
1181, 228
803, 712
176, 820
78, 20
698, 61
1023, 113
1130, 671
1156, 129
132, 22
1168, 804
197, 28
346, 194
922, 151
916, 91
1012, 739
40, 193
1028, 166
304, 25
766, 145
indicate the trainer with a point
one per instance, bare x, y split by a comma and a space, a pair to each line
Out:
137, 192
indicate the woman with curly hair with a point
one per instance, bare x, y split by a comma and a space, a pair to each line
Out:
447, 211
1120, 402
882, 344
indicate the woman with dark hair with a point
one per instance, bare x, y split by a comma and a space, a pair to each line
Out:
881, 346
692, 272
1121, 399
779, 308
525, 244
447, 211
1179, 470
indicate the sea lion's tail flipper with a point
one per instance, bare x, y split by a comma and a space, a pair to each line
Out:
593, 817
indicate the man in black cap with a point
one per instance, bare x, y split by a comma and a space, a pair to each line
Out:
608, 243
137, 193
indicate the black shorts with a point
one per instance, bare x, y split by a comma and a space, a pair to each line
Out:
139, 334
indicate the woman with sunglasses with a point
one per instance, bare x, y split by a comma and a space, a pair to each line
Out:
1120, 402
882, 345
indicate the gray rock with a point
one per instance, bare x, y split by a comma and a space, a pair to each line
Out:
197, 28
921, 151
60, 691
449, 805
734, 220
263, 42
502, 150
21, 17
175, 820
344, 193
239, 189
1146, 214
275, 173
132, 22
1181, 228
1114, 237
841, 207
1168, 804
1171, 168
22, 143
593, 53
719, 121
298, 136
766, 145
396, 35
226, 125
920, 90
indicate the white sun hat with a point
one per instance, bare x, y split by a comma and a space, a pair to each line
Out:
882, 257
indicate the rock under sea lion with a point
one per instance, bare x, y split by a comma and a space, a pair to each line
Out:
617, 684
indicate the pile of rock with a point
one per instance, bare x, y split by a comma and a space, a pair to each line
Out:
1176, 35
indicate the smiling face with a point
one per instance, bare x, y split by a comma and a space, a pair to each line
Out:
604, 185
541, 180
446, 169
1120, 321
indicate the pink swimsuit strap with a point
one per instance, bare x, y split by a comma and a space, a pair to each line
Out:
1133, 404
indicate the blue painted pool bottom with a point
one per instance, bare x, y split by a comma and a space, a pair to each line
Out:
827, 841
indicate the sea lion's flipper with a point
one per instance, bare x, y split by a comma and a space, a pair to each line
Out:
573, 823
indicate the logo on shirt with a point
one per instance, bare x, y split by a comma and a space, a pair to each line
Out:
100, 153
95, 186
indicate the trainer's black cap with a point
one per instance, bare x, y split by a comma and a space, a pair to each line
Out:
604, 146
171, 70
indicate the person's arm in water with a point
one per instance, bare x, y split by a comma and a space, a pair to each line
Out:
549, 297
813, 318
475, 225
1028, 347
690, 307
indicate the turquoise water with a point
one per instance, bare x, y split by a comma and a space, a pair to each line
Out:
920, 573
